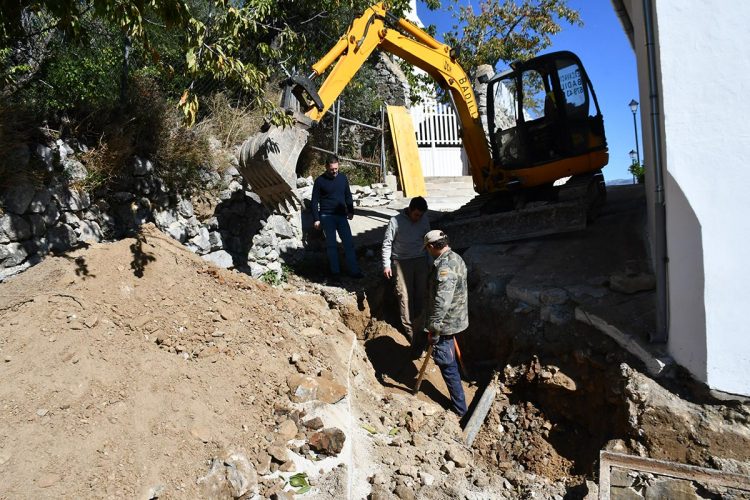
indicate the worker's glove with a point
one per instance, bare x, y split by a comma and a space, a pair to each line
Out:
432, 338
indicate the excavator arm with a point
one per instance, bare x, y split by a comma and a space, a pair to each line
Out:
531, 154
378, 29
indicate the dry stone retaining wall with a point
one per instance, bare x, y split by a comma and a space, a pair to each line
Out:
234, 231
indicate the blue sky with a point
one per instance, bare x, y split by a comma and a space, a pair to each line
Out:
610, 62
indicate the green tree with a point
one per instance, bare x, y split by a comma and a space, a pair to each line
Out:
241, 45
492, 31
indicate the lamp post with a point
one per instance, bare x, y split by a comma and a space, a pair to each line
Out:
633, 157
634, 108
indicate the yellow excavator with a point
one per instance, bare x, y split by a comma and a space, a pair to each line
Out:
544, 124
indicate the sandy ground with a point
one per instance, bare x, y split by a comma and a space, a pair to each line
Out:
129, 366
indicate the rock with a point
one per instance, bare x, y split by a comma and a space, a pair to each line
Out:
404, 492
329, 391
13, 228
523, 293
74, 170
12, 254
458, 456
279, 226
620, 478
216, 241
278, 453
314, 423
674, 489
448, 467
45, 154
70, 219
185, 208
61, 237
201, 432
220, 258
593, 490
287, 430
426, 478
379, 492
556, 314
632, 283
164, 218
329, 441
201, 242
70, 199
303, 388
559, 379
414, 421
154, 492
8, 272
230, 476
310, 332
142, 167
89, 231
408, 471
282, 495
287, 466
256, 270
38, 227
51, 214
40, 201
264, 463
17, 198
177, 231
553, 296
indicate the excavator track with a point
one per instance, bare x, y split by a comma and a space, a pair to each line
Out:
500, 217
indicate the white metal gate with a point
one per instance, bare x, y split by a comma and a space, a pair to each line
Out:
440, 149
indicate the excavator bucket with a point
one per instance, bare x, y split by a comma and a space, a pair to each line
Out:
268, 161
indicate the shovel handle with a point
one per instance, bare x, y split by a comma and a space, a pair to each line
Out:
423, 369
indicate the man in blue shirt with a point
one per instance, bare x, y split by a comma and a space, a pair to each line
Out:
332, 207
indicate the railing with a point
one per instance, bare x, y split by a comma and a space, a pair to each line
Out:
435, 124
439, 140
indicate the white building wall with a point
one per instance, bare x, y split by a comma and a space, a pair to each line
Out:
705, 94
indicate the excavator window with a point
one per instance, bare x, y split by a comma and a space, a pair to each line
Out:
542, 112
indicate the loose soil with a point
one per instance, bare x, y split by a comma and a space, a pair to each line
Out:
129, 367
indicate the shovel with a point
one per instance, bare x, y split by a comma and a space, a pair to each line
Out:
423, 369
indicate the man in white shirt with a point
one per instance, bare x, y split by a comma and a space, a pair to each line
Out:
405, 262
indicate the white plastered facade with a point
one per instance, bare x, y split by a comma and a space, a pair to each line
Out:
703, 80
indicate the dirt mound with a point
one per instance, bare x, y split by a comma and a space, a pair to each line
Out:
134, 363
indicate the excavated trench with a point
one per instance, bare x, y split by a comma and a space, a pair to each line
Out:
562, 388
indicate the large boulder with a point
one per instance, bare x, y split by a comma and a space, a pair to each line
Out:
16, 198
13, 228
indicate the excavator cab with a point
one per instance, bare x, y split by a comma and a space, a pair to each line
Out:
546, 123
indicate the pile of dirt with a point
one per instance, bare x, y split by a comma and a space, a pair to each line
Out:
134, 363
140, 371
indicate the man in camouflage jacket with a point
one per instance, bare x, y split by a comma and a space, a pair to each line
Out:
447, 313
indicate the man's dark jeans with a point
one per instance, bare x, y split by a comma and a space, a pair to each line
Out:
444, 354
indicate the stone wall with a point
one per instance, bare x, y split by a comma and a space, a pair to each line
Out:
226, 223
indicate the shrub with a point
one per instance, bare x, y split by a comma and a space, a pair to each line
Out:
179, 158
231, 123
638, 171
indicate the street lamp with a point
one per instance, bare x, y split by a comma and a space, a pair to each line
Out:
634, 108
633, 157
